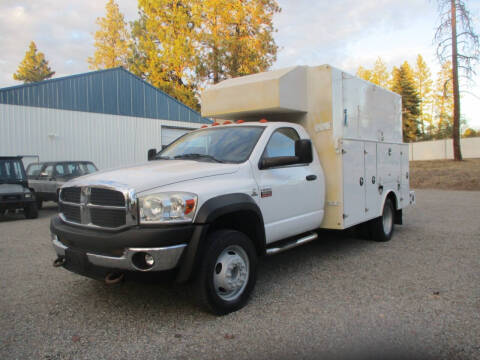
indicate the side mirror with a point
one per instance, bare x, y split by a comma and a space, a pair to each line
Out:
151, 154
303, 150
278, 161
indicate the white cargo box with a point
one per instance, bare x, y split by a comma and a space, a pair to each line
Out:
355, 126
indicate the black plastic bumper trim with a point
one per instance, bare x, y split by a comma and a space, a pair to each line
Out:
113, 243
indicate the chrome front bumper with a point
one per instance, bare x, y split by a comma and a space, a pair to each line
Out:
166, 258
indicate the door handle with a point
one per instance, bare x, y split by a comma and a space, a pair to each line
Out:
311, 177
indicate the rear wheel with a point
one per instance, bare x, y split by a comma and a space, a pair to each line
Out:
383, 226
31, 210
227, 273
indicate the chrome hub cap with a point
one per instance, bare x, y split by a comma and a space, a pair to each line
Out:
387, 219
231, 272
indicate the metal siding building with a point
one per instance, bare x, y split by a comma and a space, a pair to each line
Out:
109, 116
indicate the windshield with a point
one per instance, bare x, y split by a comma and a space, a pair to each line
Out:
11, 170
225, 144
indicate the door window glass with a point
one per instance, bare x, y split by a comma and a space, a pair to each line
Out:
34, 169
281, 143
74, 169
89, 168
49, 170
59, 169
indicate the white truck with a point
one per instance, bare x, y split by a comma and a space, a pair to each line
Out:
308, 148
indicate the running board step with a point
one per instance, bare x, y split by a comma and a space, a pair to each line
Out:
292, 244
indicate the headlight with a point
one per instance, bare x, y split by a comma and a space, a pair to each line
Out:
167, 208
28, 195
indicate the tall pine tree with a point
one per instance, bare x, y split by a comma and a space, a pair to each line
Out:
33, 67
112, 40
443, 98
165, 39
236, 38
404, 84
423, 84
182, 45
379, 75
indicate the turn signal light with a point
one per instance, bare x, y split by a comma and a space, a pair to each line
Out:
189, 206
240, 121
263, 120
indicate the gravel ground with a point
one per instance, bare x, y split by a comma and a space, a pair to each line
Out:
417, 296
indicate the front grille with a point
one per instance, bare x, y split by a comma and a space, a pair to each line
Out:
71, 194
94, 206
71, 212
106, 197
107, 217
11, 197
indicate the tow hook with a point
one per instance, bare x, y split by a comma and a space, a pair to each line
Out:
114, 278
59, 261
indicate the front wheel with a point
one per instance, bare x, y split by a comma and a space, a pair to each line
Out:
383, 226
227, 272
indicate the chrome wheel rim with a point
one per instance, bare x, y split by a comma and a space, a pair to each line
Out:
387, 219
231, 272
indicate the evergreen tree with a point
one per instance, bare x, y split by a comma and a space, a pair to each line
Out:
165, 47
443, 98
33, 67
469, 132
457, 41
379, 75
235, 38
180, 46
404, 84
112, 40
423, 84
364, 73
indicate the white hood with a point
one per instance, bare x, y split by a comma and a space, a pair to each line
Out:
154, 174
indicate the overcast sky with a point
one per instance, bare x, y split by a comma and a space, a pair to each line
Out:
343, 33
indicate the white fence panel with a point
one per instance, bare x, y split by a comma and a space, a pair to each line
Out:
443, 149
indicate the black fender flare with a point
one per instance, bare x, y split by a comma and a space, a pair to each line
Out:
211, 210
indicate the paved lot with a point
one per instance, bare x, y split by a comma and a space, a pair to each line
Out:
416, 296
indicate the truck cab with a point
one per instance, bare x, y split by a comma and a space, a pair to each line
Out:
219, 198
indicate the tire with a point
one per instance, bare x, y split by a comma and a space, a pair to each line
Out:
382, 227
31, 210
39, 204
229, 255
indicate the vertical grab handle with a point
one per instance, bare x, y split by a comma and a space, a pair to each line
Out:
345, 117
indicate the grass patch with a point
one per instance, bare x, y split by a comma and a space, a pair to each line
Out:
445, 174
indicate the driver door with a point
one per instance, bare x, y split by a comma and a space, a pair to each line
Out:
289, 194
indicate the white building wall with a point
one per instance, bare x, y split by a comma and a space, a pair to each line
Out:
107, 140
443, 149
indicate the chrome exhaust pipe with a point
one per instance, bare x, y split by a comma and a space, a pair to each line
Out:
114, 278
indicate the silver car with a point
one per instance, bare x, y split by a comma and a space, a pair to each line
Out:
46, 178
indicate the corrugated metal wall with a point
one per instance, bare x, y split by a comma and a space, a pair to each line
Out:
107, 140
112, 91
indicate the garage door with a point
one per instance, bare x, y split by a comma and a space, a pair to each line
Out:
171, 134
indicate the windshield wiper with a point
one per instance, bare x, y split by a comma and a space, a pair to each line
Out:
162, 157
198, 156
